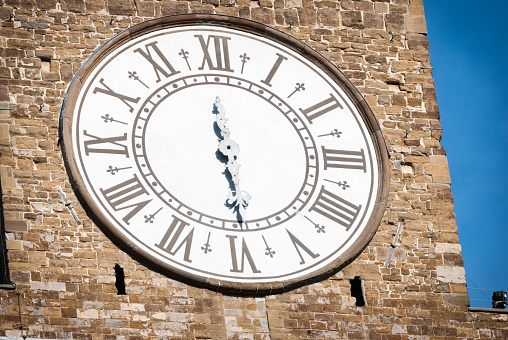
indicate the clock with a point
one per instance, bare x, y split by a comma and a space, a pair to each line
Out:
224, 153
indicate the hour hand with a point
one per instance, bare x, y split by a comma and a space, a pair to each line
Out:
230, 149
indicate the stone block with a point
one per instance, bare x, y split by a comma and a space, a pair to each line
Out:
95, 5
293, 3
416, 24
352, 19
172, 8
50, 286
15, 226
441, 248
121, 7
14, 245
263, 15
451, 274
329, 17
456, 299
76, 6
88, 313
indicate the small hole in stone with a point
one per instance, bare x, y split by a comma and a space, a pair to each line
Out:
358, 291
120, 279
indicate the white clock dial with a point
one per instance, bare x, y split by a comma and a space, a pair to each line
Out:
158, 160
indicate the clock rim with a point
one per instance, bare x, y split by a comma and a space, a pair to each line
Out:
277, 36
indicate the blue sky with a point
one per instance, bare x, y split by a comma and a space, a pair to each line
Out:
469, 54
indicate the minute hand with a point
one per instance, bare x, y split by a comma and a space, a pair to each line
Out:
230, 148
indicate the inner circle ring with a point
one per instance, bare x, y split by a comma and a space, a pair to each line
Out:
140, 153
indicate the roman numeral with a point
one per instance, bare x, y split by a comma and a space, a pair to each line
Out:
123, 195
169, 247
344, 159
274, 69
321, 108
108, 91
105, 145
157, 67
244, 254
299, 245
335, 208
221, 51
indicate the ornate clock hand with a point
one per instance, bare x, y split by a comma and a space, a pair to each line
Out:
230, 149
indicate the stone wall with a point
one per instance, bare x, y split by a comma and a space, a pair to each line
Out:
64, 272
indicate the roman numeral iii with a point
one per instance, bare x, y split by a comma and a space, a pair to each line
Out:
335, 208
344, 159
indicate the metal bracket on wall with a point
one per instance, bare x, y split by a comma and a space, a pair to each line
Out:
68, 205
393, 244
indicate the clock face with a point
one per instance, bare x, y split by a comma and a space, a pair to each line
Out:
216, 151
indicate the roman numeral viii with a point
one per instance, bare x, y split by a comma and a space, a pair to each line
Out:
157, 67
344, 159
321, 108
335, 208
171, 237
220, 50
125, 196
109, 145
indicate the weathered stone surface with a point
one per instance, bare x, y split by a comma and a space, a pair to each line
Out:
121, 7
76, 6
64, 271
451, 274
